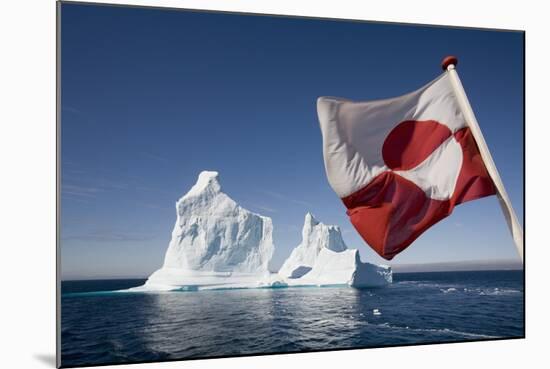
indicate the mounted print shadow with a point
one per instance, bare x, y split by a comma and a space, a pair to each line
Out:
244, 184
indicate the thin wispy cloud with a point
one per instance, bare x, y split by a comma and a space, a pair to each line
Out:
153, 189
109, 236
108, 184
76, 115
265, 208
293, 228
153, 206
77, 198
281, 196
346, 231
79, 191
157, 157
72, 186
79, 182
69, 171
71, 109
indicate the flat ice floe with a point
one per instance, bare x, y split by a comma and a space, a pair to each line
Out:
217, 244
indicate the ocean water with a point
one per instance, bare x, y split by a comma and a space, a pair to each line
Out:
99, 327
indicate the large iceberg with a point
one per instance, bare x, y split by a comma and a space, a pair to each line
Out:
217, 244
322, 258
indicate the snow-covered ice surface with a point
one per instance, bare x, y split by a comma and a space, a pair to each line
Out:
217, 244
315, 237
323, 259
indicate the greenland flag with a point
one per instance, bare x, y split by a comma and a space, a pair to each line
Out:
401, 165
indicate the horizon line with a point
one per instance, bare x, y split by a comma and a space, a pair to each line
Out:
436, 267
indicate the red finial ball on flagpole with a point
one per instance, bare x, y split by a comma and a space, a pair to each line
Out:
449, 60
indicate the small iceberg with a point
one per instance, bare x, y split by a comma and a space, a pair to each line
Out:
323, 259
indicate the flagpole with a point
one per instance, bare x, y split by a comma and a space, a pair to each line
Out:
449, 65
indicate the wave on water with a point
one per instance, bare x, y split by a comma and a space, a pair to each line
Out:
436, 331
457, 288
493, 291
450, 289
427, 284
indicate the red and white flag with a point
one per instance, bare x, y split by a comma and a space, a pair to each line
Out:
401, 165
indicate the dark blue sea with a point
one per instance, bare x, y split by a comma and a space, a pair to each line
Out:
99, 327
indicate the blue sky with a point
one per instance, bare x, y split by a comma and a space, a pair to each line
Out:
151, 97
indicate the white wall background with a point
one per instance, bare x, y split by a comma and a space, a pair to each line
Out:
27, 181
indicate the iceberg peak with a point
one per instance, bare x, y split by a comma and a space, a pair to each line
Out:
207, 181
319, 235
315, 237
310, 220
